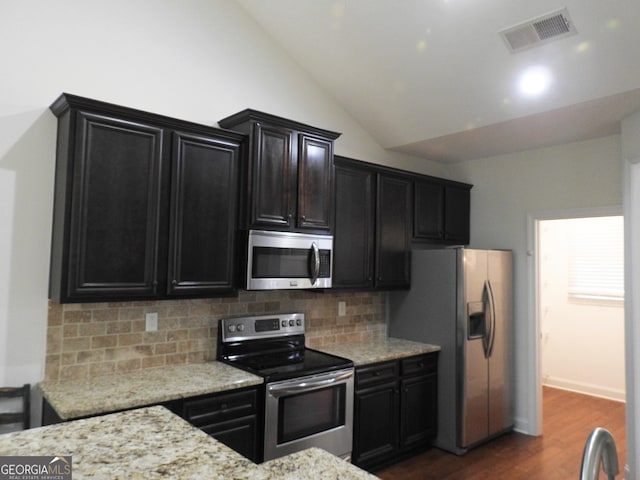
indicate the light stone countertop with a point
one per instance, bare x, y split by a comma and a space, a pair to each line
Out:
80, 398
316, 464
152, 443
363, 353
147, 443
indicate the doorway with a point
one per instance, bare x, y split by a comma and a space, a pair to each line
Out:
581, 305
537, 309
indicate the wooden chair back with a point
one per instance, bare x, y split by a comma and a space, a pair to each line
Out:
22, 416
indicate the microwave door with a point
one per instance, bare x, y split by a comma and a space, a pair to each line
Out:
288, 261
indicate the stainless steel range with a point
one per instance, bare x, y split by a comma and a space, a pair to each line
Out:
308, 394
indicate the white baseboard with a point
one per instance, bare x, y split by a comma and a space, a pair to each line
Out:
586, 388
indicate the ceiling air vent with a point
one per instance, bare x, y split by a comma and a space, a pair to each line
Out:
551, 26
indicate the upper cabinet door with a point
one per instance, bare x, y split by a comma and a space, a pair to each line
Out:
315, 183
428, 207
393, 232
272, 177
354, 228
457, 213
203, 214
115, 202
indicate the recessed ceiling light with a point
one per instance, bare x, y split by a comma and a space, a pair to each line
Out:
535, 81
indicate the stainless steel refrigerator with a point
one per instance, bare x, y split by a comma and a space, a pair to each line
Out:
461, 299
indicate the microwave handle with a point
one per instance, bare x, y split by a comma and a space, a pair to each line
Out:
315, 263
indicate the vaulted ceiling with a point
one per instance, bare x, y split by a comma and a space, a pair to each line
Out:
434, 78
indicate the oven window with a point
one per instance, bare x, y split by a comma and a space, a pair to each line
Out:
312, 412
269, 262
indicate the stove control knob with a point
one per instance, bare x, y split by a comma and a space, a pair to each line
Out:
298, 322
292, 322
241, 328
284, 323
232, 328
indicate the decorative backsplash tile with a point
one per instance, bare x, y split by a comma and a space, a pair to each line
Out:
93, 339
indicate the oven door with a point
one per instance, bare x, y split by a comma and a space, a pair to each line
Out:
284, 260
312, 411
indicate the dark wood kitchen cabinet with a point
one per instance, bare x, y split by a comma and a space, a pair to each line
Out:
393, 231
376, 422
373, 227
144, 205
203, 214
419, 400
353, 241
230, 417
395, 410
287, 182
441, 211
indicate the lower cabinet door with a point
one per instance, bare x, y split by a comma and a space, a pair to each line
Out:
376, 425
418, 414
239, 434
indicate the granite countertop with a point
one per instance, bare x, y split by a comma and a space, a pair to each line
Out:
110, 393
363, 353
152, 443
316, 464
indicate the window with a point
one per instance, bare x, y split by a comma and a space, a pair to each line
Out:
596, 259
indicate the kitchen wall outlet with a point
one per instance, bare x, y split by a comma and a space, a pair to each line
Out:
342, 309
151, 322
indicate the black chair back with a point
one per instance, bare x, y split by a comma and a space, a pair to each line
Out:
22, 416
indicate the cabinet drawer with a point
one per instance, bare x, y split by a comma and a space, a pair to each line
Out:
420, 365
376, 373
209, 410
239, 434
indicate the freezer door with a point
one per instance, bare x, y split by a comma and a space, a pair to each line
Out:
474, 399
499, 267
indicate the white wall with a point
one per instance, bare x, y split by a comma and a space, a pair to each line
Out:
582, 341
508, 189
199, 60
630, 140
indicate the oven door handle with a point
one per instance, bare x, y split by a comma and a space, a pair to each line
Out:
291, 388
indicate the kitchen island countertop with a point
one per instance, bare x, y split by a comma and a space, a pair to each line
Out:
110, 393
153, 443
366, 352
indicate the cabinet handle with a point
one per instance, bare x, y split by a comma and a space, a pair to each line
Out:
420, 365
304, 218
174, 282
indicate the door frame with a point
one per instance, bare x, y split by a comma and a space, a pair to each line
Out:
534, 374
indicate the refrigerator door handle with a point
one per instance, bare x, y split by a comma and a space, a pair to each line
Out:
488, 322
492, 318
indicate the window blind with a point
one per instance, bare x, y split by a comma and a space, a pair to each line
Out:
596, 258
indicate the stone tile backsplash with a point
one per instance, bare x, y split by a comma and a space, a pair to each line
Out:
93, 339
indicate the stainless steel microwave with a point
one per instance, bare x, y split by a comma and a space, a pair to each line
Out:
284, 260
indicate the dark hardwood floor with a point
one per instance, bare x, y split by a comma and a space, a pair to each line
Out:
568, 419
